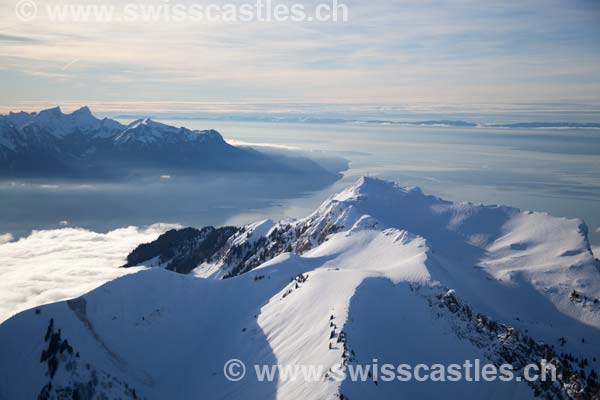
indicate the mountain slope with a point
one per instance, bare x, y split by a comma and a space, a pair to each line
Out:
377, 272
53, 144
61, 125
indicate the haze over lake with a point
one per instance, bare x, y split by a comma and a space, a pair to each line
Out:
552, 170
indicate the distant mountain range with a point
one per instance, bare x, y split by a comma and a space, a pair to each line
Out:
51, 143
310, 119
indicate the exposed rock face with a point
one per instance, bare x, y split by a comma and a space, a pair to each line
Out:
182, 250
79, 379
229, 251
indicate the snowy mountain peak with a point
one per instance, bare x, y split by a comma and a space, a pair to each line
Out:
147, 131
147, 122
367, 186
136, 123
54, 122
377, 272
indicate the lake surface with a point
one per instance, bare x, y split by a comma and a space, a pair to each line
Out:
556, 171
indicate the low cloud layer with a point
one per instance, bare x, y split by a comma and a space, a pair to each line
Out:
5, 238
53, 265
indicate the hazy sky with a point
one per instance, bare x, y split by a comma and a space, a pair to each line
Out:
436, 53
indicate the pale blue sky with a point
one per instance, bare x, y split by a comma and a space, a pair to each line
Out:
417, 53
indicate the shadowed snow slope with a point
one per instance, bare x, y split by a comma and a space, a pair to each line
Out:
378, 271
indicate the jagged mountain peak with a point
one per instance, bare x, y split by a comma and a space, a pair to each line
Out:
59, 124
19, 118
50, 112
85, 110
51, 143
147, 131
54, 122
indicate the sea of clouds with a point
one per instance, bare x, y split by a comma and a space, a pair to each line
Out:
59, 264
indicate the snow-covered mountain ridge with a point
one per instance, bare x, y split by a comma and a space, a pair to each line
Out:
50, 143
82, 121
409, 278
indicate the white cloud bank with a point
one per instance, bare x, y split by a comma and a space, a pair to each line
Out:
53, 265
5, 238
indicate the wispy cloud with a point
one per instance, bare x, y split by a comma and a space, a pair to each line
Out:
18, 39
405, 51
